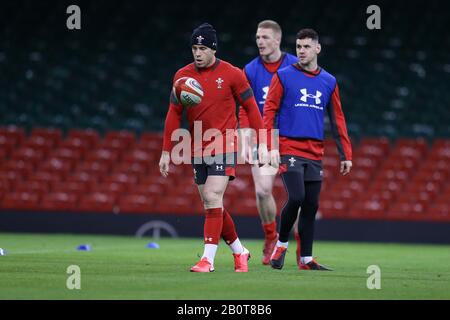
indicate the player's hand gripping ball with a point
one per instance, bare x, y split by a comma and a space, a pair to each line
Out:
188, 91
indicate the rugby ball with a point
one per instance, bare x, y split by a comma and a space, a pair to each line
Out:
188, 91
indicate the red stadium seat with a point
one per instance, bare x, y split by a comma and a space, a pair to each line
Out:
90, 137
5, 187
411, 148
23, 167
76, 144
113, 188
397, 162
441, 142
141, 155
374, 147
150, 141
95, 167
67, 153
59, 201
127, 138
427, 186
50, 134
422, 197
407, 210
362, 174
20, 201
73, 187
12, 177
368, 209
137, 203
387, 196
245, 206
97, 202
13, 133
46, 176
156, 190
439, 211
174, 205
84, 176
58, 165
434, 175
442, 152
338, 193
103, 155
38, 187
115, 145
393, 186
39, 143
345, 182
7, 145
389, 174
28, 154
151, 136
137, 168
125, 179
333, 208
363, 162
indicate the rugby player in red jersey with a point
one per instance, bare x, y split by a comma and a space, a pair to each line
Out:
214, 159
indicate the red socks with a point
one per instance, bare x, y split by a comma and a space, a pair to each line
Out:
270, 230
228, 230
213, 225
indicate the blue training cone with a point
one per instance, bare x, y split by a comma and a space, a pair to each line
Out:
84, 247
153, 245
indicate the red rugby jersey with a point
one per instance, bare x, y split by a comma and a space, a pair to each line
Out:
223, 87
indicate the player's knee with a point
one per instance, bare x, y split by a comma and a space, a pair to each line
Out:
310, 207
211, 198
263, 193
296, 199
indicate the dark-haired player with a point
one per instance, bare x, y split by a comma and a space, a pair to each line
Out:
298, 98
223, 85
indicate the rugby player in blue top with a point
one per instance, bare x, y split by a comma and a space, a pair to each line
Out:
259, 73
298, 98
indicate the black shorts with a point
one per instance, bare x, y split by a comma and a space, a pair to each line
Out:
219, 165
312, 170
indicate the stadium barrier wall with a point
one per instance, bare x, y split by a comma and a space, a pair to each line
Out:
192, 226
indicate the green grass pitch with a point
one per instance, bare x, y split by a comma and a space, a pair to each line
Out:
35, 267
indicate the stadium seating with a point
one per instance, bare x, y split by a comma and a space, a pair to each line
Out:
119, 82
81, 113
403, 180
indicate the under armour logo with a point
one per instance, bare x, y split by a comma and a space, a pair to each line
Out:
292, 161
306, 95
208, 239
219, 83
200, 39
219, 167
265, 91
